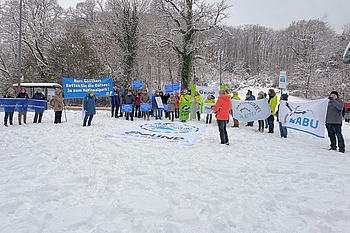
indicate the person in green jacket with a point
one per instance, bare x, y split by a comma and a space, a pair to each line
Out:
185, 103
272, 104
209, 100
198, 105
235, 97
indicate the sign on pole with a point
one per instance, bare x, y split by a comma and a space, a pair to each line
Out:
342, 86
137, 84
283, 79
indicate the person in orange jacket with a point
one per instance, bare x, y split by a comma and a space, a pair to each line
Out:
222, 109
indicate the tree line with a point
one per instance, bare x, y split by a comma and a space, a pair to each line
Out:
168, 41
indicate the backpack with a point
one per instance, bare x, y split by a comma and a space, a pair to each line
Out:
52, 102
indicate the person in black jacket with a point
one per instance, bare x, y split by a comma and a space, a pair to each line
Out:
22, 94
129, 99
38, 95
9, 111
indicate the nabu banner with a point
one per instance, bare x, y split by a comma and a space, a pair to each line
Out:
306, 116
205, 91
250, 110
159, 131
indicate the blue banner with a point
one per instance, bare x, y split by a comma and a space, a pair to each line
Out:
137, 84
145, 107
176, 86
169, 88
126, 107
78, 87
22, 105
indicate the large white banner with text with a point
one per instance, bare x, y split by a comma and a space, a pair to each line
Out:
205, 91
250, 110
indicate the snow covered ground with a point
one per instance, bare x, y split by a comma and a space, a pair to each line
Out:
66, 178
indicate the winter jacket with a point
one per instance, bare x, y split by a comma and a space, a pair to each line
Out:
235, 97
145, 99
250, 98
138, 99
171, 104
89, 104
129, 99
198, 99
164, 98
347, 107
39, 96
209, 101
58, 98
222, 108
9, 95
22, 95
115, 98
273, 104
177, 104
334, 112
185, 99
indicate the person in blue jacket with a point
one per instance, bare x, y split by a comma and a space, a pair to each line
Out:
115, 101
158, 111
23, 95
250, 96
38, 96
9, 111
89, 105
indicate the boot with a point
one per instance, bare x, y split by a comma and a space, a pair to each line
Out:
207, 119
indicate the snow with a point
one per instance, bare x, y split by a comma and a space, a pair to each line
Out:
66, 178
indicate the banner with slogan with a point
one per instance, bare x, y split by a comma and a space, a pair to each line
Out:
22, 105
136, 84
165, 132
205, 91
145, 107
159, 102
78, 87
250, 110
168, 88
126, 107
184, 111
176, 86
306, 116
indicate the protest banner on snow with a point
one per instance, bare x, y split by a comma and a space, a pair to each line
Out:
247, 111
22, 105
126, 107
145, 107
306, 116
166, 132
205, 91
78, 87
184, 111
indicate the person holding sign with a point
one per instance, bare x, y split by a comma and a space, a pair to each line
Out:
9, 111
272, 104
145, 99
129, 99
157, 105
171, 106
222, 109
209, 100
38, 96
198, 98
23, 95
185, 106
58, 105
235, 97
115, 101
89, 105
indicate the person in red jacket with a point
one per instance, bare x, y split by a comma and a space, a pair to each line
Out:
222, 109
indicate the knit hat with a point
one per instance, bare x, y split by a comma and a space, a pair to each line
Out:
284, 97
261, 93
335, 93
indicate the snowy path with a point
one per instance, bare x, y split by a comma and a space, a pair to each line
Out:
66, 178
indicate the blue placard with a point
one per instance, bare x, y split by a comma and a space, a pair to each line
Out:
169, 88
176, 86
22, 105
126, 107
137, 84
165, 107
145, 107
78, 87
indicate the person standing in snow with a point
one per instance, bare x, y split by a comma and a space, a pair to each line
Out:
38, 96
89, 104
171, 106
283, 130
222, 108
137, 104
272, 104
9, 111
261, 122
129, 99
177, 104
198, 98
58, 106
209, 100
23, 95
145, 99
115, 101
250, 96
347, 111
334, 122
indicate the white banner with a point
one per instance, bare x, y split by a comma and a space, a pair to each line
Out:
205, 91
207, 108
250, 110
159, 102
306, 116
168, 132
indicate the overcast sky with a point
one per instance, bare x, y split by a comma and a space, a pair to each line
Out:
278, 14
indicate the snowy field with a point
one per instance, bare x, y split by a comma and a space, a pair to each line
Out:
66, 178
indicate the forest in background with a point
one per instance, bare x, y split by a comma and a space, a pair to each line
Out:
168, 41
